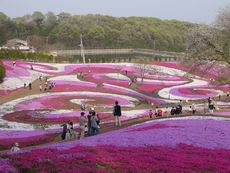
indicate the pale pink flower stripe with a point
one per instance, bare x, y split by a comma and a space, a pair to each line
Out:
166, 77
222, 113
174, 65
135, 94
183, 92
72, 84
101, 78
21, 134
6, 92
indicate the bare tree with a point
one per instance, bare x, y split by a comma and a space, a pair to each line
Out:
39, 42
144, 67
211, 42
223, 19
208, 45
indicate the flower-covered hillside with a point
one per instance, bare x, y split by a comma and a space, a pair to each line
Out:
176, 145
41, 110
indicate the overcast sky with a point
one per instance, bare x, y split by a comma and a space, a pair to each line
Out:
199, 11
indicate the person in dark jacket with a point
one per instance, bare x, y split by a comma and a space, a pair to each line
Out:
117, 114
173, 111
89, 123
64, 131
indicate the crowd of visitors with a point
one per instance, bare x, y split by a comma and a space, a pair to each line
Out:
209, 106
43, 86
89, 124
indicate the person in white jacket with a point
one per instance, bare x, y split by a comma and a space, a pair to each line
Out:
15, 148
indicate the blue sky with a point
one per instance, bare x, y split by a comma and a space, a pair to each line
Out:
199, 11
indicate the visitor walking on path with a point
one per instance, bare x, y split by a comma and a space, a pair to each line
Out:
82, 122
40, 87
150, 113
193, 108
206, 108
64, 131
117, 114
30, 86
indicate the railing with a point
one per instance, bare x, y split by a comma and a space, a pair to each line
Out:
119, 52
94, 52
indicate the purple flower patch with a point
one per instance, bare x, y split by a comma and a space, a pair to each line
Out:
155, 126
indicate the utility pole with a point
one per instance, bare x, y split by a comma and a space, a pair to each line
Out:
82, 50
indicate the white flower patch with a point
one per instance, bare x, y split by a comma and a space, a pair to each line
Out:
134, 113
167, 70
8, 125
161, 81
219, 103
80, 101
60, 111
65, 78
118, 76
12, 83
57, 67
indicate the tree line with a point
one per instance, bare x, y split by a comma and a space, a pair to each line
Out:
50, 31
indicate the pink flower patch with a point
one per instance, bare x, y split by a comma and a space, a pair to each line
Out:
149, 88
16, 71
102, 159
155, 126
5, 92
175, 65
102, 78
25, 141
192, 91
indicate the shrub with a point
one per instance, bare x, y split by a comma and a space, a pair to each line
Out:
2, 71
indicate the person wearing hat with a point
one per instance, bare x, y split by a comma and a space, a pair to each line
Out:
15, 148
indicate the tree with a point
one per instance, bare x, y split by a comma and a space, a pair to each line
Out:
209, 46
96, 35
67, 33
144, 67
38, 18
212, 42
2, 71
50, 20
